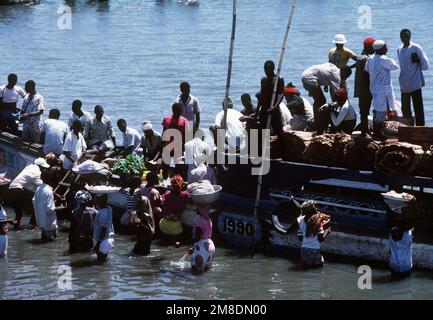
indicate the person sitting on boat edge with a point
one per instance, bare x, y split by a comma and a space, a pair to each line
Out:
203, 251
339, 114
99, 131
145, 227
74, 146
103, 230
79, 114
311, 233
31, 113
300, 109
151, 144
81, 230
9, 95
131, 138
53, 133
174, 204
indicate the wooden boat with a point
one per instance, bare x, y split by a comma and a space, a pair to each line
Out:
13, 2
352, 198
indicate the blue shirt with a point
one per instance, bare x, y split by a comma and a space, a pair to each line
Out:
411, 76
103, 219
400, 258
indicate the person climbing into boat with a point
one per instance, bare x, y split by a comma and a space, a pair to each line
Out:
79, 114
103, 230
99, 131
203, 251
145, 227
313, 78
311, 233
22, 189
339, 114
31, 113
177, 122
234, 133
53, 133
74, 146
45, 207
131, 138
81, 230
190, 105
174, 204
249, 108
300, 109
379, 67
151, 143
340, 55
362, 85
413, 61
9, 95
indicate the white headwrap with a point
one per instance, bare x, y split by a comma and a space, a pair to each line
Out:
147, 125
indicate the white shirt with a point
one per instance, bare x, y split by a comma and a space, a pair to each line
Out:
84, 119
308, 242
29, 178
346, 112
325, 74
380, 67
190, 108
11, 95
286, 116
131, 137
76, 146
411, 76
400, 258
235, 131
43, 204
55, 133
196, 151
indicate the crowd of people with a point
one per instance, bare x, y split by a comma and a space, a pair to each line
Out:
65, 144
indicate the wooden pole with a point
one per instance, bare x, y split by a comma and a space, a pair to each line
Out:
268, 125
229, 68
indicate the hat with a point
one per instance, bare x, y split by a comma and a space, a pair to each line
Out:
378, 44
341, 93
291, 89
147, 126
309, 207
41, 162
339, 39
369, 42
229, 102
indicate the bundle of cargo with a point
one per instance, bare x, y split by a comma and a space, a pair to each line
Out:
425, 167
292, 145
326, 149
398, 158
358, 154
391, 128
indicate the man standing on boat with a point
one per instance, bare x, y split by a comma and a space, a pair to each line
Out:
54, 133
379, 67
78, 114
31, 113
340, 55
74, 146
313, 78
362, 85
9, 95
99, 131
413, 60
190, 105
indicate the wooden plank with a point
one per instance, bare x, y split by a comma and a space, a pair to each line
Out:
416, 135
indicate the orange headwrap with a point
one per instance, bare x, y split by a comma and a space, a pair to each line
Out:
292, 90
177, 183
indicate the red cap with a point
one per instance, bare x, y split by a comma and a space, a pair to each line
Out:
369, 42
290, 90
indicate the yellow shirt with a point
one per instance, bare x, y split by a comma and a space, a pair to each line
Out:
340, 57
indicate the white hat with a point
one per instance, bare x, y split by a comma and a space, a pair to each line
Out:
147, 126
378, 44
41, 162
339, 39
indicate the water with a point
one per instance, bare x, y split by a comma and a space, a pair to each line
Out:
130, 57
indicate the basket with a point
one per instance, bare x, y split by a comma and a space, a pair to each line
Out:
208, 197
